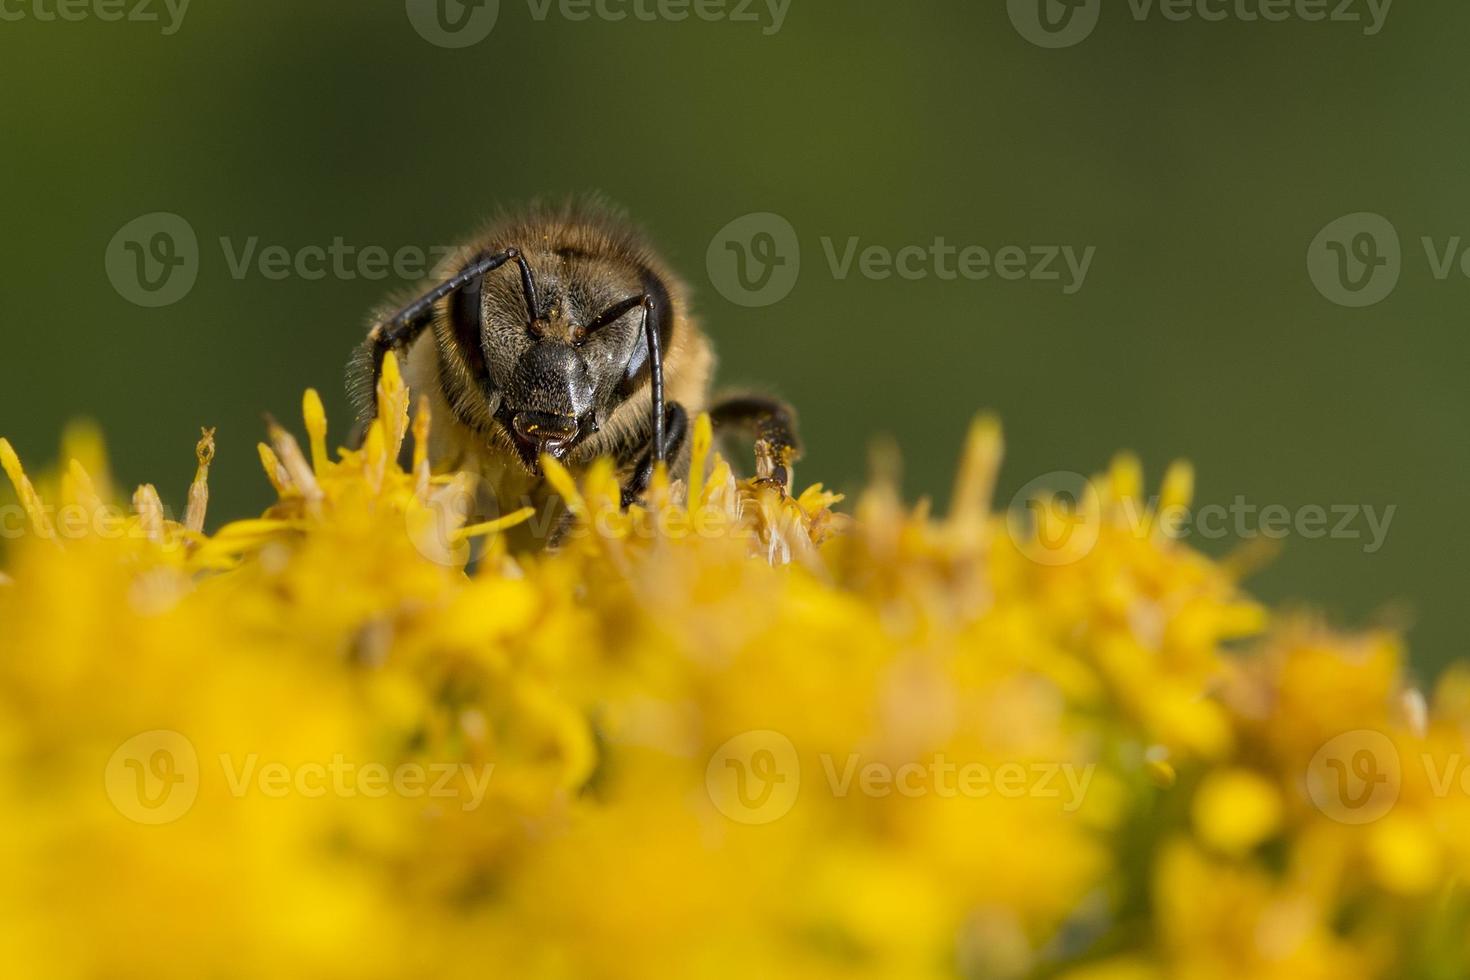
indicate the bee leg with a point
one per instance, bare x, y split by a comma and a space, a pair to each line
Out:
676, 432
773, 424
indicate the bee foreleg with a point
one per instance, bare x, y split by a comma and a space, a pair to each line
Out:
676, 432
773, 424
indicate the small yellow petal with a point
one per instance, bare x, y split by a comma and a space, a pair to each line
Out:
703, 439
1125, 478
31, 501
561, 481
496, 526
288, 451
274, 471
1404, 855
1174, 499
393, 404
315, 416
422, 421
149, 508
1236, 809
974, 487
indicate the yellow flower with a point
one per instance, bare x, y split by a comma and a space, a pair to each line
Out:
1234, 810
723, 734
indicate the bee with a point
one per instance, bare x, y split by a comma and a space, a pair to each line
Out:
561, 333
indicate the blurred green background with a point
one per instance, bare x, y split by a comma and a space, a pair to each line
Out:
1199, 158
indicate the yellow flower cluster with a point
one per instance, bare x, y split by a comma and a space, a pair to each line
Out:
728, 734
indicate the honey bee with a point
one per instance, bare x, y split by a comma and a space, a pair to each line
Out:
560, 332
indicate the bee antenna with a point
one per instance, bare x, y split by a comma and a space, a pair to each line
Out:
404, 327
649, 306
656, 377
528, 285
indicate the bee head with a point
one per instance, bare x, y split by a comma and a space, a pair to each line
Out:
562, 344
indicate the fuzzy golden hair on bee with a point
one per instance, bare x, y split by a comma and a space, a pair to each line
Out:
559, 331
